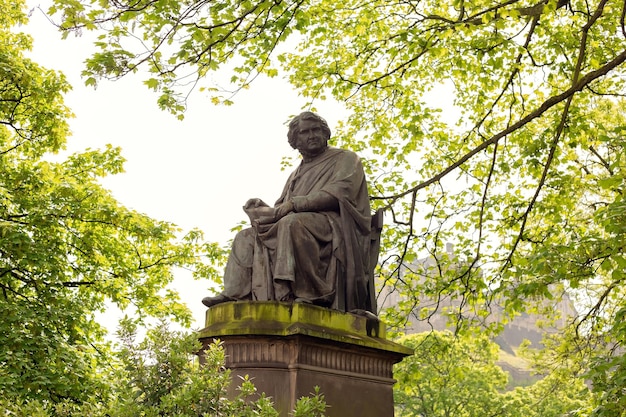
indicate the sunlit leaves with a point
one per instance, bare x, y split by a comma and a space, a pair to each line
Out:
24, 86
449, 376
460, 376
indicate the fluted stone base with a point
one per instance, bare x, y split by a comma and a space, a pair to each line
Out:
288, 350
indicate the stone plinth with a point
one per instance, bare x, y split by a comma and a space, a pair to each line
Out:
287, 350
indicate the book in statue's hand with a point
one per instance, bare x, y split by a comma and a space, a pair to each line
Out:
261, 215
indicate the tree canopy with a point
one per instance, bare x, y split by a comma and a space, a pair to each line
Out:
522, 169
449, 376
458, 376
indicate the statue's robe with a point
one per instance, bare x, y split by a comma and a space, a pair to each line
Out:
321, 251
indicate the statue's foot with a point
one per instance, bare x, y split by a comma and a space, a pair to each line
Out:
218, 299
367, 314
372, 322
302, 301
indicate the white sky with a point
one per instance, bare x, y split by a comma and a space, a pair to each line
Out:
194, 173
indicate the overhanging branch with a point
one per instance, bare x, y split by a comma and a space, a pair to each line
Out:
545, 106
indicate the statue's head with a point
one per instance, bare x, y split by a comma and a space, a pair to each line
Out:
307, 116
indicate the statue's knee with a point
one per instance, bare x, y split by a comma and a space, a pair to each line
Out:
246, 234
291, 221
293, 218
243, 246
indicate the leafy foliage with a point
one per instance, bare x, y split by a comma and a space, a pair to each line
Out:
311, 406
459, 376
448, 377
161, 378
559, 394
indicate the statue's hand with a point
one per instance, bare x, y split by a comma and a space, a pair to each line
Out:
255, 202
284, 209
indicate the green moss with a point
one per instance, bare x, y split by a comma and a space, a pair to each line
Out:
281, 319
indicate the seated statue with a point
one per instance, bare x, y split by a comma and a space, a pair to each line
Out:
313, 245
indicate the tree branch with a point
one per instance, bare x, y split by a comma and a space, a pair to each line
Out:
546, 105
557, 134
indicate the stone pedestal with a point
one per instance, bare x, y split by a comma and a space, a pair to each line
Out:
287, 350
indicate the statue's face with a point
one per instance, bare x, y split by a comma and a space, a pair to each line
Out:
310, 138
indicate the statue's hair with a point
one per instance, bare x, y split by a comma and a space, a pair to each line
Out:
307, 115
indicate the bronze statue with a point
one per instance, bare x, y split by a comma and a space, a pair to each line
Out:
313, 246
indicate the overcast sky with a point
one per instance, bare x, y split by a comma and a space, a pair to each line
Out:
194, 173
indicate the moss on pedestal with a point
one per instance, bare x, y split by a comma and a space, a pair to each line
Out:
282, 319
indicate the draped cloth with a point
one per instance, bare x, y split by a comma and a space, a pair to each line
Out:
320, 252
